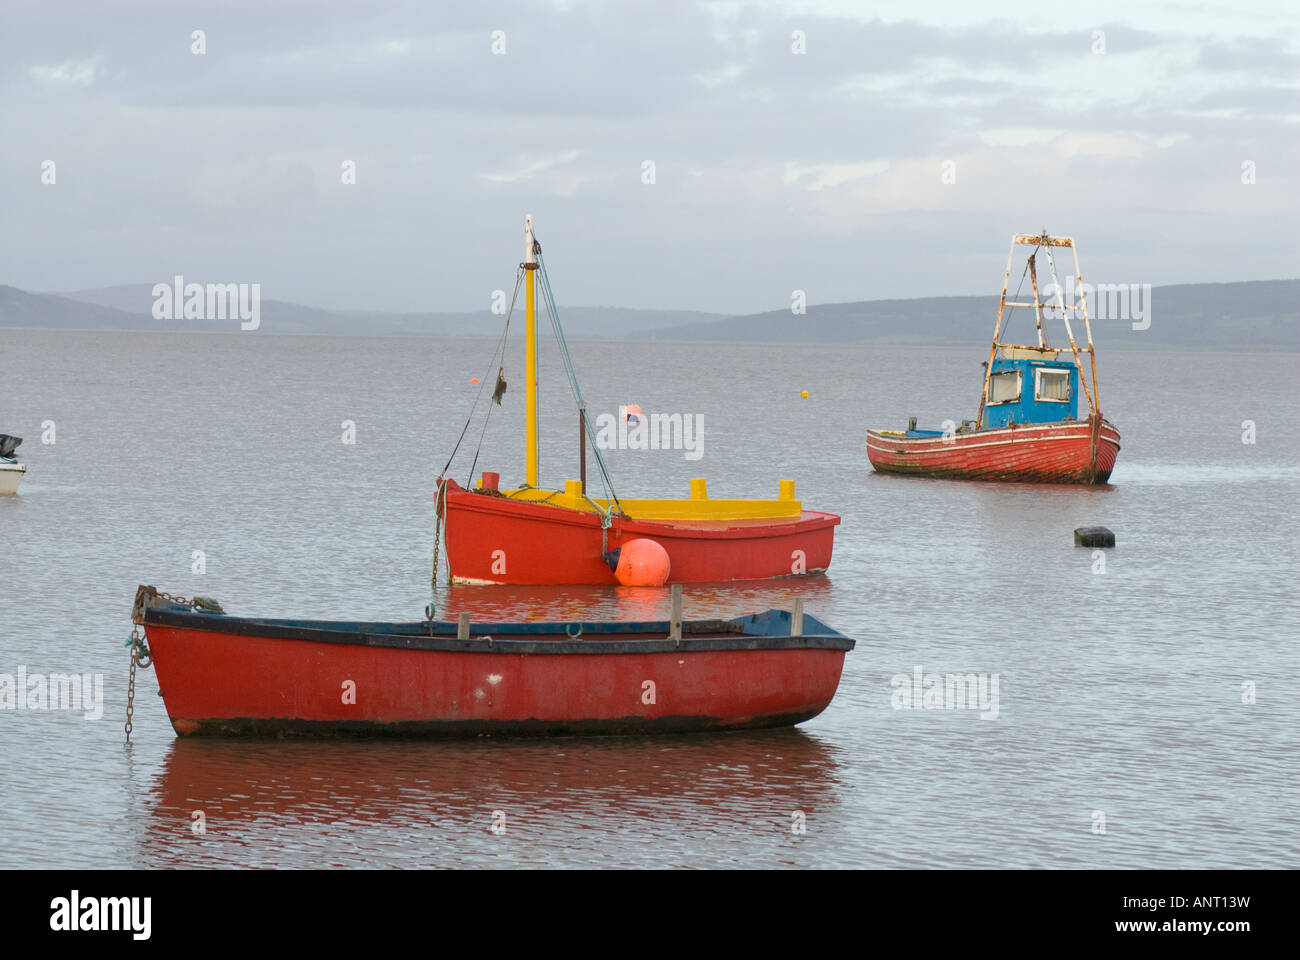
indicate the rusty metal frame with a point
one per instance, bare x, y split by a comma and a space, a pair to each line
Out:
1046, 242
1038, 307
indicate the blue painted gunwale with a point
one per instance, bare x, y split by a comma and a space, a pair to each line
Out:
761, 631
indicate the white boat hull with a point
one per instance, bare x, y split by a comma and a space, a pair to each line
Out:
11, 474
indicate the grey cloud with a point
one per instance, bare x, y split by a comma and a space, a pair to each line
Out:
227, 165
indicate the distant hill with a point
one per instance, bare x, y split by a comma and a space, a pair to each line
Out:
18, 308
1254, 315
1251, 315
132, 307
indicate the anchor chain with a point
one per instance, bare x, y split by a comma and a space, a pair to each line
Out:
141, 657
439, 508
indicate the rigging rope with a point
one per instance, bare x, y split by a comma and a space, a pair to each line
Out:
1023, 273
548, 301
500, 349
440, 497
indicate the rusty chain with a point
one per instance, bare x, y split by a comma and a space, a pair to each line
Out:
140, 657
439, 518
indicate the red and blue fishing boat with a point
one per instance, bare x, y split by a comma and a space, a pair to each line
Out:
1028, 426
534, 535
222, 675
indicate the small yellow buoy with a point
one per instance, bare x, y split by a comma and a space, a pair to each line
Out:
804, 394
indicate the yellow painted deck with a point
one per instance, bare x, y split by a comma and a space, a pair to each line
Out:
699, 506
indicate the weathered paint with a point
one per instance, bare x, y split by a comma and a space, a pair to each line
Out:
1029, 408
1038, 453
223, 675
1041, 240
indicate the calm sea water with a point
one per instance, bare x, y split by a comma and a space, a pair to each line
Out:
1120, 692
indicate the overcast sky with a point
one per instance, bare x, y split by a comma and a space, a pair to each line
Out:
774, 171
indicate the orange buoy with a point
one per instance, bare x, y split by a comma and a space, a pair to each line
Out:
473, 379
642, 563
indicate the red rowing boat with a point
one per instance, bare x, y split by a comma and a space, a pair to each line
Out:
224, 676
534, 535
1028, 427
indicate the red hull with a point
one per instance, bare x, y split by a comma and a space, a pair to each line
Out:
1036, 453
492, 539
220, 683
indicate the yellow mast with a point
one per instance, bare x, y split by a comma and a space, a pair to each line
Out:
531, 446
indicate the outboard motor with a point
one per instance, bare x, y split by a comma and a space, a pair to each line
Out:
8, 445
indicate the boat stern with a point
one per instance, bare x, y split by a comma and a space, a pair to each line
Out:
11, 475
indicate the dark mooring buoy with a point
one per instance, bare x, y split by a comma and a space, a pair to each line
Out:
1093, 537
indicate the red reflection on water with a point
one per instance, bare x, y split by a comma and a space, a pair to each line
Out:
252, 791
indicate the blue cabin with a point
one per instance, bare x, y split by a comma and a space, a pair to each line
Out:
1031, 389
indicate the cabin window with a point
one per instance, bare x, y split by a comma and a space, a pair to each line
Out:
1053, 385
1004, 387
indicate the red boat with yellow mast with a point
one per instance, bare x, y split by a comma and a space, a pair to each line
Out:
534, 535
